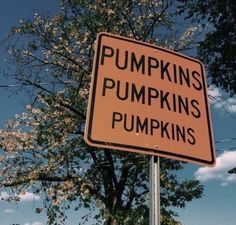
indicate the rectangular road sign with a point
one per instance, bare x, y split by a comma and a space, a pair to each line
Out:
150, 100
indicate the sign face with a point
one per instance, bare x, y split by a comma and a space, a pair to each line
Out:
149, 100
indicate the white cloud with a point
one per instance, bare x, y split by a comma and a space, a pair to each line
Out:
4, 195
26, 197
34, 223
9, 211
221, 100
224, 163
213, 92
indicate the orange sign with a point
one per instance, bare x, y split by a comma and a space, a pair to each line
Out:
149, 100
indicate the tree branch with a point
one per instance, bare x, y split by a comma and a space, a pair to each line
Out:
155, 20
40, 177
59, 101
112, 169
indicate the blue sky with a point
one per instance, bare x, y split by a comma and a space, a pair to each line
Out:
216, 207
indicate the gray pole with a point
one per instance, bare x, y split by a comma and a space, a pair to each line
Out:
155, 212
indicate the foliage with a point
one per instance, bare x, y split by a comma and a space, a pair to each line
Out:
233, 170
42, 149
218, 49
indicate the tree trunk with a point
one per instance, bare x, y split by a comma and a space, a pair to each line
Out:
112, 221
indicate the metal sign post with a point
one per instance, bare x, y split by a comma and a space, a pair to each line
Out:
155, 212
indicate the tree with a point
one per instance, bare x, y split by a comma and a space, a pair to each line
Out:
233, 170
45, 144
218, 49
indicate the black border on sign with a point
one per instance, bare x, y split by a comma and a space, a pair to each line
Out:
133, 147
